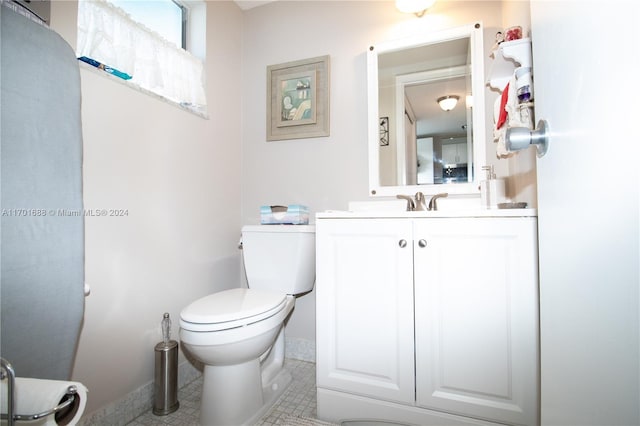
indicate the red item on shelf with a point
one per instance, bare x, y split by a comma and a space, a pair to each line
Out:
502, 117
513, 33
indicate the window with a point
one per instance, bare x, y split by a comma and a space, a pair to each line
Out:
141, 41
166, 17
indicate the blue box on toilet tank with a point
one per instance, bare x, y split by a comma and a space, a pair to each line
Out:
293, 214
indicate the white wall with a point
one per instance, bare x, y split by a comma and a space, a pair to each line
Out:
324, 173
178, 175
521, 171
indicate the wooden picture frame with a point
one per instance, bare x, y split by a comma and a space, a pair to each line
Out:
298, 99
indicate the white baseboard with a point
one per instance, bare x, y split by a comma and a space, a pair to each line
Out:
135, 403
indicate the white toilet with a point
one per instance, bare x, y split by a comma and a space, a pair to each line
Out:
238, 334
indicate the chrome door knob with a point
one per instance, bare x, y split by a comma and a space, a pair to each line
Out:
402, 243
422, 243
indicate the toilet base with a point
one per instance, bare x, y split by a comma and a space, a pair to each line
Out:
230, 393
271, 393
239, 395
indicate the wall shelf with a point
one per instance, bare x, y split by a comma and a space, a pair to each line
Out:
507, 57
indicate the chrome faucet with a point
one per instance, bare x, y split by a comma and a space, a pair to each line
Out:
433, 206
414, 204
419, 202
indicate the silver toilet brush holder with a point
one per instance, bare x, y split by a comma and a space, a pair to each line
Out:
165, 400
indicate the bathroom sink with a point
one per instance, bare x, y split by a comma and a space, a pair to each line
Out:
398, 206
447, 207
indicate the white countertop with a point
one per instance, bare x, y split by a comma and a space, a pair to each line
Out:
369, 214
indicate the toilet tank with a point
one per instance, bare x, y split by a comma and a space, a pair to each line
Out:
280, 258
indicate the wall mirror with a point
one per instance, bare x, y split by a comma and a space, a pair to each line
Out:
414, 144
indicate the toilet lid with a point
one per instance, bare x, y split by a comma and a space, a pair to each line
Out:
231, 305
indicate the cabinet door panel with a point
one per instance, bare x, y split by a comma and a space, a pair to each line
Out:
364, 294
476, 317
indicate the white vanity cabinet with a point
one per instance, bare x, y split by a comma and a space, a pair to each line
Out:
427, 320
365, 319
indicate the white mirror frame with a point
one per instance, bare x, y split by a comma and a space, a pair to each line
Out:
474, 32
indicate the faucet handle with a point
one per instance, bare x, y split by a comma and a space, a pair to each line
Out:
433, 205
411, 205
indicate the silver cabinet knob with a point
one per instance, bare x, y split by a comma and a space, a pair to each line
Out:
422, 243
402, 243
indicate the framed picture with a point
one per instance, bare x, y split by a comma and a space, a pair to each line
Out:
298, 99
384, 131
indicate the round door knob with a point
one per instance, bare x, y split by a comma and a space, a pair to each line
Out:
402, 243
422, 243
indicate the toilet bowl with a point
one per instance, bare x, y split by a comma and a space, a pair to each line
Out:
232, 350
238, 334
236, 340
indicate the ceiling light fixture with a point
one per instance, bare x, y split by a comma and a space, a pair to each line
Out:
419, 7
449, 102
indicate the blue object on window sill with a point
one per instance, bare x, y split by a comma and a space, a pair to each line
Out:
104, 67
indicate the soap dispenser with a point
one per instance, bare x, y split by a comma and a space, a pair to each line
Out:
492, 190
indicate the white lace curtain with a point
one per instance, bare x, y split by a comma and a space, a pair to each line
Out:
108, 34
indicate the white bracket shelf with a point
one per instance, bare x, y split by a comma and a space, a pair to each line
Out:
507, 57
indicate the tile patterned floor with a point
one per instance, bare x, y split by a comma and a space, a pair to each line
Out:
298, 400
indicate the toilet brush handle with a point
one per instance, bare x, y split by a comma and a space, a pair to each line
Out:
166, 328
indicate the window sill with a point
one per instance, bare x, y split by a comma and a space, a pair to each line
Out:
188, 108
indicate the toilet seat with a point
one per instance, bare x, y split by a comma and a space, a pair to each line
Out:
230, 309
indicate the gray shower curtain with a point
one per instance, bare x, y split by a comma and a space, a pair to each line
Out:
42, 232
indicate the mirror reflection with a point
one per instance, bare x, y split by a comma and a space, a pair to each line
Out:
432, 144
421, 141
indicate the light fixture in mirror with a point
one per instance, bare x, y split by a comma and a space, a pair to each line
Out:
449, 102
427, 149
418, 7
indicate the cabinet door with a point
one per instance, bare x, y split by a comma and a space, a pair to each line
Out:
364, 307
454, 153
477, 317
449, 154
